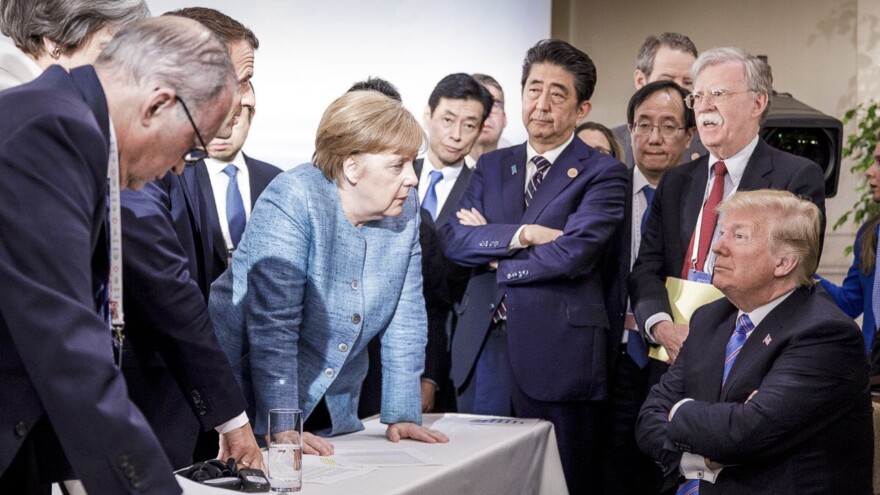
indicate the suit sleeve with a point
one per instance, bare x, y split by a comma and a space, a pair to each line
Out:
849, 296
162, 294
437, 302
653, 420
278, 243
475, 245
819, 377
647, 281
404, 340
587, 233
56, 171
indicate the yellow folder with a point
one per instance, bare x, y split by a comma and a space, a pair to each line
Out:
685, 297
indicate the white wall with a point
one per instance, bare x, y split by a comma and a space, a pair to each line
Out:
311, 52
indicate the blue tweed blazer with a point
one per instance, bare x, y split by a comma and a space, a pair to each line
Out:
307, 291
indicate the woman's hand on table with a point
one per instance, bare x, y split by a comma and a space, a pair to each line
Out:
399, 431
315, 445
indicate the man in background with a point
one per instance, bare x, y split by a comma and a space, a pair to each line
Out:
494, 125
661, 127
231, 182
667, 57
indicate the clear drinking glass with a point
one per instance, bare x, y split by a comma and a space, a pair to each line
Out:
285, 450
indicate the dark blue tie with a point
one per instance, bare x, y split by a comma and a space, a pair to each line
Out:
235, 215
649, 198
430, 202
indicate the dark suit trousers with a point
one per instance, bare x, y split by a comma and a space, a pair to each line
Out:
628, 471
578, 435
488, 390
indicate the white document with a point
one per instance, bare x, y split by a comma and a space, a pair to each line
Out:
383, 457
324, 470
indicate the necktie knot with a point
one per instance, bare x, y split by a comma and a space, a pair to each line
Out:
541, 163
435, 176
230, 170
649, 194
720, 169
744, 325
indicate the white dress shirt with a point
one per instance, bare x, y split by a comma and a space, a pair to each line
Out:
219, 184
444, 187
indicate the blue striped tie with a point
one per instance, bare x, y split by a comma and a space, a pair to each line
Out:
543, 164
734, 345
689, 487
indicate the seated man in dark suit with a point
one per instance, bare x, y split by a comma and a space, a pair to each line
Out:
231, 182
64, 407
770, 391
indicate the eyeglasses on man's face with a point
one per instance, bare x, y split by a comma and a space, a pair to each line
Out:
646, 128
714, 97
194, 154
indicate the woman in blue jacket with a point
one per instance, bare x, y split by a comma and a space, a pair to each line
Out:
854, 295
330, 260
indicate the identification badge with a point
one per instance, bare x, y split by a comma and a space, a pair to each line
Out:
699, 276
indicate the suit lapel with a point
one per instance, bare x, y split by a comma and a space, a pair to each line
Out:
417, 167
567, 167
451, 203
204, 179
758, 170
713, 356
693, 187
759, 346
513, 183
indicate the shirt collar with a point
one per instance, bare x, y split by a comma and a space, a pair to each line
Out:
639, 181
450, 172
758, 314
736, 164
216, 166
550, 155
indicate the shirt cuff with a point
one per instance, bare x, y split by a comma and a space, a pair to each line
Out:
425, 379
653, 320
514, 241
233, 424
693, 467
676, 406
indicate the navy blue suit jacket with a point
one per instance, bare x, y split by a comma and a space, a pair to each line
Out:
261, 174
56, 358
176, 371
557, 316
807, 430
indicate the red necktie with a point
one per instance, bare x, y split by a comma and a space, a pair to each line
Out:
707, 226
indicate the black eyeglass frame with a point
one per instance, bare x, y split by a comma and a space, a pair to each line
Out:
195, 154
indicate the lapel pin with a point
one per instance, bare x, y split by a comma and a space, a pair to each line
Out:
767, 340
572, 173
513, 169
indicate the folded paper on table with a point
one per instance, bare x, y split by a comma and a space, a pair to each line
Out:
685, 297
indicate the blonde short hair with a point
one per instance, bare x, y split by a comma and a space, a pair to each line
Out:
364, 122
792, 225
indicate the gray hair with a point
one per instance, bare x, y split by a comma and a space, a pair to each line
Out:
68, 23
674, 41
174, 52
759, 77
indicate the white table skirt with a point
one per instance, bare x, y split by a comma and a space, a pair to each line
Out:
479, 459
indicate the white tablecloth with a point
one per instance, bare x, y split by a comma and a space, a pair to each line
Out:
485, 459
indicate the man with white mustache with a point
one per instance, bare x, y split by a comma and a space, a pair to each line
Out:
731, 98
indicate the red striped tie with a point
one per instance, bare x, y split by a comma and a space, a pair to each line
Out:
707, 226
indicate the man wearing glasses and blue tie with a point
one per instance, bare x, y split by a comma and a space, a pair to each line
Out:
731, 98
